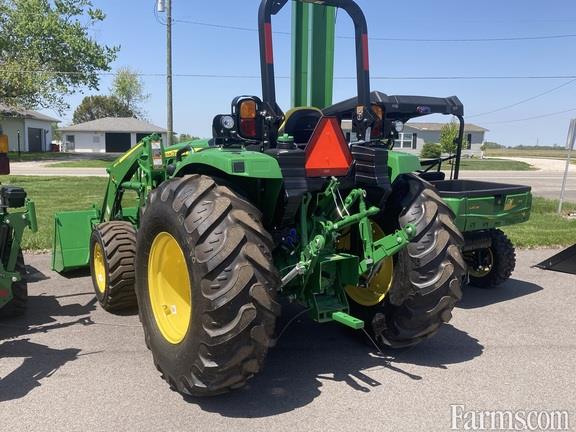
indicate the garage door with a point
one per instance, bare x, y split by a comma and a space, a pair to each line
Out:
141, 136
35, 140
117, 142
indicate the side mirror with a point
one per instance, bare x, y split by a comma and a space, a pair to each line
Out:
247, 112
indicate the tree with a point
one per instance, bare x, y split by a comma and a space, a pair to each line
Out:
449, 138
97, 107
185, 137
128, 87
47, 53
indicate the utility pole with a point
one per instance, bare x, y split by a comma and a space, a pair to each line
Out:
166, 6
569, 147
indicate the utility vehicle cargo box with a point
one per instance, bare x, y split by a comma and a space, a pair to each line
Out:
482, 205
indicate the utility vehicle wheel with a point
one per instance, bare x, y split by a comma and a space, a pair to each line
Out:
112, 254
206, 286
492, 266
409, 297
17, 306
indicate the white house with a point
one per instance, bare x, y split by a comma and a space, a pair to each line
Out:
31, 129
108, 135
415, 135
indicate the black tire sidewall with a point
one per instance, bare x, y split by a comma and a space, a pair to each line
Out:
159, 218
502, 250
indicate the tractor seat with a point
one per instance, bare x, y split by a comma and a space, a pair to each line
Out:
300, 123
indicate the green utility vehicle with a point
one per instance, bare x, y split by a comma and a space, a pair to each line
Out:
13, 286
480, 207
274, 205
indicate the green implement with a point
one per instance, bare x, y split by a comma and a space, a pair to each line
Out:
13, 286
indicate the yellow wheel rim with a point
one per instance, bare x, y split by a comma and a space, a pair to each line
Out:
380, 280
169, 288
480, 272
99, 267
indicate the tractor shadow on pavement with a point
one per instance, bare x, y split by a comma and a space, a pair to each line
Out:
512, 289
39, 362
310, 355
45, 313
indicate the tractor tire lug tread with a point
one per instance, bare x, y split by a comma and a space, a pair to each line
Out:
118, 241
234, 285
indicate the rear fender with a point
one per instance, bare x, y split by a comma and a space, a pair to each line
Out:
402, 163
254, 175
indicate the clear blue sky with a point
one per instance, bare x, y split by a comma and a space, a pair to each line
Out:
204, 50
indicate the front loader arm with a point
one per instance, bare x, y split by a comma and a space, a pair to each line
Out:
121, 171
140, 169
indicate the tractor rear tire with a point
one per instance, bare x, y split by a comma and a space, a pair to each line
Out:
503, 262
17, 306
428, 273
222, 254
112, 255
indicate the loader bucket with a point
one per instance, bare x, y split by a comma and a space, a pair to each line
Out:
72, 231
564, 262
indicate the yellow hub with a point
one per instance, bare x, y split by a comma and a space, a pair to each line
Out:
169, 288
483, 269
380, 280
99, 267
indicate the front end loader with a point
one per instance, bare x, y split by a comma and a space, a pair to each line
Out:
274, 205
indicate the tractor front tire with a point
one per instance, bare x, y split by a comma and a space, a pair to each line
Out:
206, 286
428, 274
501, 263
17, 306
112, 254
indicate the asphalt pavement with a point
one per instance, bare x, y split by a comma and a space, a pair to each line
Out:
69, 366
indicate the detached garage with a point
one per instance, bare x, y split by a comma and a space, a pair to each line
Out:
27, 131
108, 135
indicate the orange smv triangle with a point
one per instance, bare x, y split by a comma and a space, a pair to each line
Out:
327, 153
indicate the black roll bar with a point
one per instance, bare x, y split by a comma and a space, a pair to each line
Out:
272, 7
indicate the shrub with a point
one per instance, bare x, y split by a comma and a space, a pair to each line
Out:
431, 151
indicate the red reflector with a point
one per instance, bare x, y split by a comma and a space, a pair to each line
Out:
4, 293
248, 128
327, 153
365, 54
268, 49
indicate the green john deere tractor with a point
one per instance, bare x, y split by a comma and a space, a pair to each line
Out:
13, 285
276, 205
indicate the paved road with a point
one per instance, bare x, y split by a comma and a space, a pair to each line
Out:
42, 169
545, 184
69, 366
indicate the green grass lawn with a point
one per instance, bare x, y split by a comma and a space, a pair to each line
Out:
54, 194
87, 163
491, 165
545, 227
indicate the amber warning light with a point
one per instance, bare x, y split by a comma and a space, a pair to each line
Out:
327, 153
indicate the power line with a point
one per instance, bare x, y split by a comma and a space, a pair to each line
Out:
534, 117
375, 78
524, 100
390, 39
